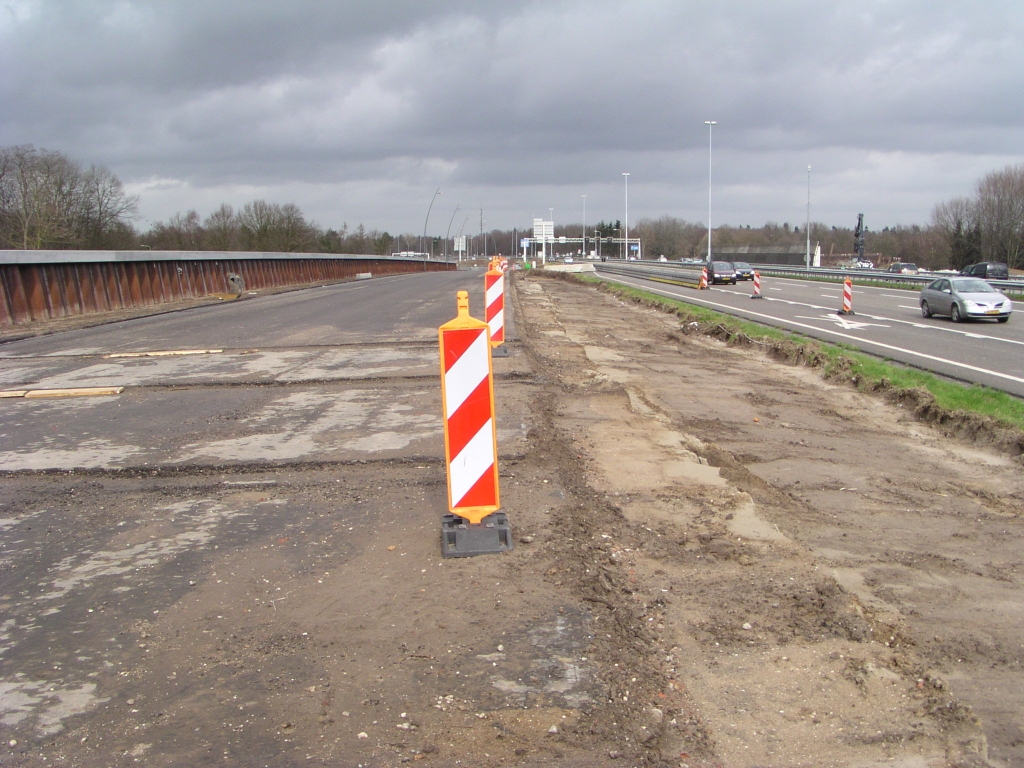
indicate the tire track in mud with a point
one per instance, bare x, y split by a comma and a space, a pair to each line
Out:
590, 551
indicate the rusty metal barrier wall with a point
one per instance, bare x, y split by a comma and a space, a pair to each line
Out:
42, 285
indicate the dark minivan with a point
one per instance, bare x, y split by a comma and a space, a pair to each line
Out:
721, 272
987, 270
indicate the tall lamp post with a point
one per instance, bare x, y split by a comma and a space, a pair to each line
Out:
551, 218
428, 219
807, 257
626, 236
446, 234
709, 123
584, 225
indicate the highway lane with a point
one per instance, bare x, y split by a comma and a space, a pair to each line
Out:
886, 322
290, 376
386, 309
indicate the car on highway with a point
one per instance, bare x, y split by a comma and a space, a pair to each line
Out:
964, 297
904, 268
743, 270
987, 270
721, 272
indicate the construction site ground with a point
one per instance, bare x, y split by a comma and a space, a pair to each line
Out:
720, 560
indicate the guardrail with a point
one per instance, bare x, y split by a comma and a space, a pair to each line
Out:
683, 273
679, 274
42, 285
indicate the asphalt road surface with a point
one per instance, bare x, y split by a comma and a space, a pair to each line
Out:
886, 322
215, 566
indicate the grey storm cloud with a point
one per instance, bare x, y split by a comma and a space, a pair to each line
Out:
357, 111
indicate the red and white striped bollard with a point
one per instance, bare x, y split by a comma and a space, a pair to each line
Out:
847, 298
494, 309
474, 525
757, 285
703, 279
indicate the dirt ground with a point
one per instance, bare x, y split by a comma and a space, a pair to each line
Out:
721, 560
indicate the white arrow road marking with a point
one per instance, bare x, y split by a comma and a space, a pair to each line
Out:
844, 322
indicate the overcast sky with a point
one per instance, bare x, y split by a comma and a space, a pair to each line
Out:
358, 110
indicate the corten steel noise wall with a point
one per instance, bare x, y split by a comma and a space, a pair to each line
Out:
42, 285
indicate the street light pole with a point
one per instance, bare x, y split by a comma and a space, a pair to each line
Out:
807, 257
450, 230
428, 219
584, 225
626, 177
709, 123
551, 218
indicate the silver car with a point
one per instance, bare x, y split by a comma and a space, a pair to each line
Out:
964, 297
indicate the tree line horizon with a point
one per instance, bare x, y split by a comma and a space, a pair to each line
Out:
51, 201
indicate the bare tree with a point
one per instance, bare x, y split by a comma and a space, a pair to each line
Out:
223, 232
957, 222
105, 206
182, 232
48, 201
272, 227
1000, 213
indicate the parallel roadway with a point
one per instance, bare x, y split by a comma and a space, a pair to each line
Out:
886, 322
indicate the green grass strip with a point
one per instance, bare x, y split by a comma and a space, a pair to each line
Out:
865, 370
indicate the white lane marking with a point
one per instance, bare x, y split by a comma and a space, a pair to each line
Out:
911, 323
803, 284
890, 296
901, 321
860, 339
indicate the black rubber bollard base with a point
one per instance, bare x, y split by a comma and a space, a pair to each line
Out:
460, 538
499, 351
844, 312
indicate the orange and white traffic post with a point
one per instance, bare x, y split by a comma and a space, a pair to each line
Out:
757, 286
474, 526
703, 279
847, 298
494, 308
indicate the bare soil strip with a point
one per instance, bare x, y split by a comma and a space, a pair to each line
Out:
826, 580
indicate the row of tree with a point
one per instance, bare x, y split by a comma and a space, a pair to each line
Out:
48, 200
263, 226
